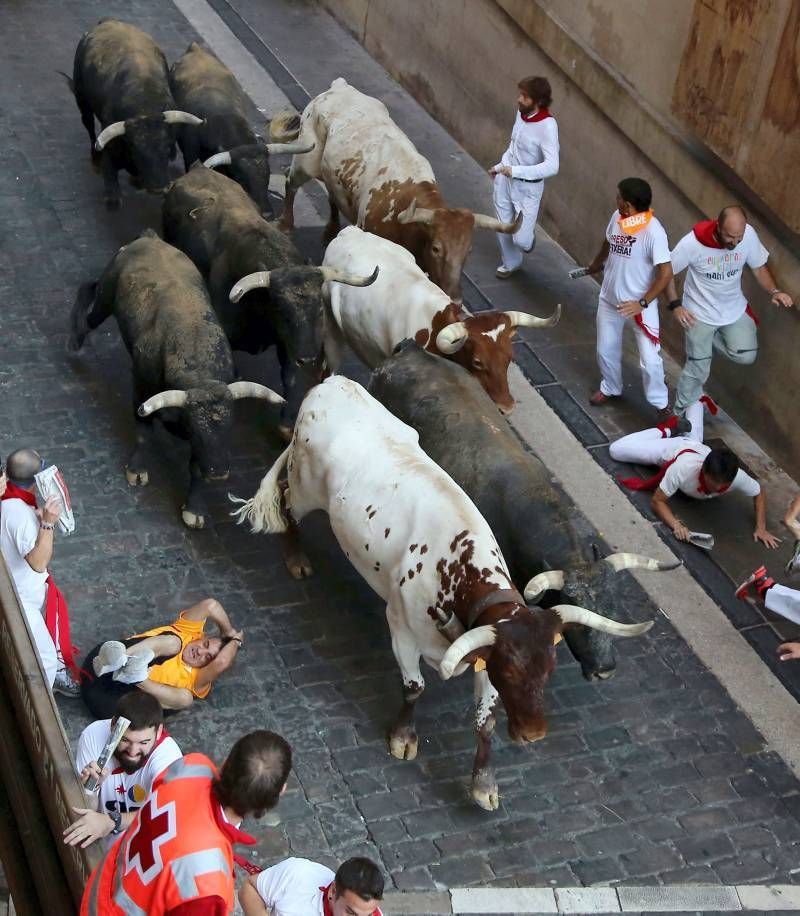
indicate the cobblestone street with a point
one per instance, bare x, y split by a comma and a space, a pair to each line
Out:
654, 777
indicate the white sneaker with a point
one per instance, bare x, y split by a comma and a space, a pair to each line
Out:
503, 271
64, 684
111, 657
135, 669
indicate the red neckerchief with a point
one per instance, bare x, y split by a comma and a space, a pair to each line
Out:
235, 836
702, 486
56, 611
706, 233
540, 115
651, 483
326, 904
164, 735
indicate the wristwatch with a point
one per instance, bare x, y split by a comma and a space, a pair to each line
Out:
116, 816
643, 302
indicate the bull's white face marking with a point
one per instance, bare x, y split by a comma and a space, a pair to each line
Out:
495, 332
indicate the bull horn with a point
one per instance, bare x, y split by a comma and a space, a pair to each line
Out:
252, 281
571, 613
107, 134
620, 561
182, 117
217, 159
289, 149
412, 215
342, 276
254, 390
538, 585
524, 320
452, 338
492, 222
478, 638
174, 397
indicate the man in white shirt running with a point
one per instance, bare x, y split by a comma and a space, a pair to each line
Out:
635, 261
714, 312
688, 465
519, 177
299, 887
145, 751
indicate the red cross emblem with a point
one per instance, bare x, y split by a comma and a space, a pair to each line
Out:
155, 827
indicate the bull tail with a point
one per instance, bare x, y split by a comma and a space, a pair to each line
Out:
264, 511
68, 78
285, 126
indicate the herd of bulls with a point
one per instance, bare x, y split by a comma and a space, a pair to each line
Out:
428, 490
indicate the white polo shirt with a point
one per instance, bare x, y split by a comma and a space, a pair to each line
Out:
533, 152
684, 475
713, 288
293, 888
19, 529
631, 264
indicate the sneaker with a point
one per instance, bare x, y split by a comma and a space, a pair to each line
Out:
504, 272
663, 413
598, 398
135, 669
760, 579
111, 657
65, 685
682, 427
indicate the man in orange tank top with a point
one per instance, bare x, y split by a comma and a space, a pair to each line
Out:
176, 858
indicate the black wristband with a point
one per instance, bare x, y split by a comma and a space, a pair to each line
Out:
675, 304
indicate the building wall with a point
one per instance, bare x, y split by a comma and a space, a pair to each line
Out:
700, 98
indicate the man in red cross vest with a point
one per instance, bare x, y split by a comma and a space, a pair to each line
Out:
176, 858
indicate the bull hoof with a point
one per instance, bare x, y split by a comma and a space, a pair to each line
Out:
191, 520
137, 478
485, 793
299, 566
74, 344
113, 203
603, 675
286, 432
403, 744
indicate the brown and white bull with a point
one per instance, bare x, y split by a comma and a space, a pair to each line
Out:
421, 544
403, 303
377, 179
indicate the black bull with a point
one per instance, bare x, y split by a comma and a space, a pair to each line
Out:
536, 525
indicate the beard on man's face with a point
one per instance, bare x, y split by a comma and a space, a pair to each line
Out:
131, 764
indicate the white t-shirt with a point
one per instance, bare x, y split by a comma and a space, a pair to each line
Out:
533, 152
684, 475
121, 791
292, 888
713, 288
631, 264
19, 528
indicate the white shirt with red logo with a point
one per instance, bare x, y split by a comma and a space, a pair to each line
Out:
631, 264
294, 887
684, 474
713, 288
121, 791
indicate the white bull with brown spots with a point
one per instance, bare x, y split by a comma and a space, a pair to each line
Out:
377, 179
423, 546
404, 303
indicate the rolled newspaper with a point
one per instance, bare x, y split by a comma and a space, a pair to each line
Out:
793, 565
49, 482
699, 539
120, 727
578, 272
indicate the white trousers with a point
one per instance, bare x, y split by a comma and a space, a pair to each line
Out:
650, 446
610, 328
45, 647
510, 197
784, 601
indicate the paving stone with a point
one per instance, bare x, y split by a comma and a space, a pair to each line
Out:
586, 900
776, 897
671, 899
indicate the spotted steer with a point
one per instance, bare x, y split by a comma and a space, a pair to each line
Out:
377, 179
422, 545
404, 303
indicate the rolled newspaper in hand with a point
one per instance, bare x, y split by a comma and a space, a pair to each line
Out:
578, 272
49, 482
120, 727
793, 565
699, 539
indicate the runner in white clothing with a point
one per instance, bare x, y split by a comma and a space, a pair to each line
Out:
714, 312
299, 887
635, 255
688, 465
144, 752
519, 177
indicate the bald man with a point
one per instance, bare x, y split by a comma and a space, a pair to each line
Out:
714, 312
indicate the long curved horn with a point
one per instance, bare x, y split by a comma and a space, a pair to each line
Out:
412, 215
538, 585
452, 338
620, 561
571, 613
182, 117
492, 222
343, 276
524, 320
241, 390
252, 281
217, 159
107, 134
287, 149
174, 397
478, 638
